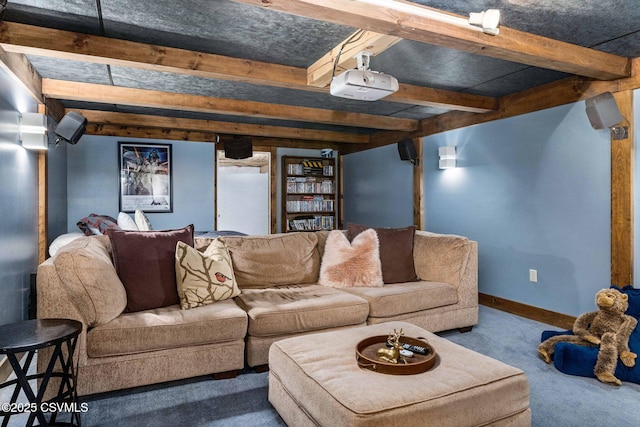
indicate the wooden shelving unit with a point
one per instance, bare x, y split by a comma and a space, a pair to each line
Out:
309, 194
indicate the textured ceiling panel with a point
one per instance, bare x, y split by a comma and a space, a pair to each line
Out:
78, 71
442, 68
223, 27
72, 15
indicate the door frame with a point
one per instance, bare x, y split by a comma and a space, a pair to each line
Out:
273, 175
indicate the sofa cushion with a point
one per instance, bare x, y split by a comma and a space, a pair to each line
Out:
351, 264
396, 251
145, 262
402, 298
204, 278
142, 221
85, 269
168, 327
276, 259
300, 308
447, 260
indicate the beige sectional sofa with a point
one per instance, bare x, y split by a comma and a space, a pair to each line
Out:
280, 298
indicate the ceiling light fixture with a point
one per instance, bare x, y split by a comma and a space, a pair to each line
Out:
487, 21
33, 131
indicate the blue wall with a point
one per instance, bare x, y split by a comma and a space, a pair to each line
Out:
378, 188
93, 183
534, 191
18, 206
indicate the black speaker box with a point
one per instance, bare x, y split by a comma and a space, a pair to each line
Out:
407, 150
238, 148
71, 127
602, 111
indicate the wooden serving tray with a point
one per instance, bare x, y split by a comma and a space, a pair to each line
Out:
366, 356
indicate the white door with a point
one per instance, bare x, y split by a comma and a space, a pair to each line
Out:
243, 193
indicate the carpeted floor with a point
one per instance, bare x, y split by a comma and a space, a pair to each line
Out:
556, 399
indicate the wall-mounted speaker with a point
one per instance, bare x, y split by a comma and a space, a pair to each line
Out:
71, 128
407, 150
239, 147
602, 111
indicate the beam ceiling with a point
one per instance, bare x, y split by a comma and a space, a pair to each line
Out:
509, 45
52, 43
382, 28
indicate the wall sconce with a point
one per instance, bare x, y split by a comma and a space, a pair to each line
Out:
33, 131
447, 157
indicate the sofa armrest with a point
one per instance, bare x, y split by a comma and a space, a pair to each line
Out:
450, 259
54, 302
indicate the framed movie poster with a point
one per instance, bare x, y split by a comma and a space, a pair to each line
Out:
145, 177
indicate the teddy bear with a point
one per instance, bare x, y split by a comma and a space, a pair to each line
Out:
609, 327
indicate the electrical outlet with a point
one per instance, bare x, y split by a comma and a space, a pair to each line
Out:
533, 275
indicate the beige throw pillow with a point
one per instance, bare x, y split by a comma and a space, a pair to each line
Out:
352, 264
204, 278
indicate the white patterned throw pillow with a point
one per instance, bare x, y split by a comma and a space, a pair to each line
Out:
204, 278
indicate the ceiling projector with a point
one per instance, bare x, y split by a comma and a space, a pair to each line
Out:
363, 85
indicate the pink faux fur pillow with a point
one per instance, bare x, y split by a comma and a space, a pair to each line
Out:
347, 264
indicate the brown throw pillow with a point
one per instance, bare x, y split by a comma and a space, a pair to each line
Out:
350, 264
396, 251
145, 262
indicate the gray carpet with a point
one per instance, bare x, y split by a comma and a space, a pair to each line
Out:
556, 399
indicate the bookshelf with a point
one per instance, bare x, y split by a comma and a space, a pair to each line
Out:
309, 189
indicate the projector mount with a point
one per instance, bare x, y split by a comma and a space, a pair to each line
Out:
364, 59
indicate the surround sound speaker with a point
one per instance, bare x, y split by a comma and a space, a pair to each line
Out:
407, 150
239, 147
602, 111
71, 127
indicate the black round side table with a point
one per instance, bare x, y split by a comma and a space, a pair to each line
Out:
28, 337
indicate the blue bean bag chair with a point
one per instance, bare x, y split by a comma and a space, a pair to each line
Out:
573, 359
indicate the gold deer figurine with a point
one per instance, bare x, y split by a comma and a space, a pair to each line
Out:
392, 354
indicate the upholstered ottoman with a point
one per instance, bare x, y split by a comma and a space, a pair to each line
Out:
315, 380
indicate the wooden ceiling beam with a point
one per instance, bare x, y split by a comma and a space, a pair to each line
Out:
96, 117
52, 43
33, 40
510, 45
194, 136
89, 92
20, 69
343, 56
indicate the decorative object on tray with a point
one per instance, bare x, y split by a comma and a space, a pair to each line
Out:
372, 354
392, 354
